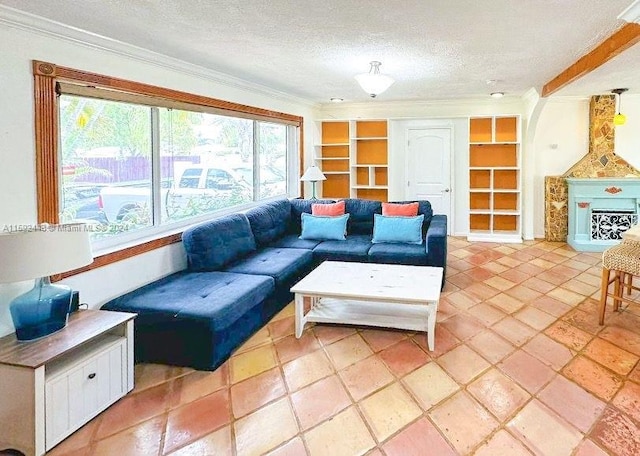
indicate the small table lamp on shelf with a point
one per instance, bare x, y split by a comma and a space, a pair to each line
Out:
37, 253
313, 175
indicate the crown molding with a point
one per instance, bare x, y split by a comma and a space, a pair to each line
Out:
376, 104
632, 13
574, 98
568, 98
531, 96
21, 20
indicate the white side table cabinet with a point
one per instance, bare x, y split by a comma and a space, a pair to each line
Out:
50, 387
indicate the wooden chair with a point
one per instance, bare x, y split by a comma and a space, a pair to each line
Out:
624, 261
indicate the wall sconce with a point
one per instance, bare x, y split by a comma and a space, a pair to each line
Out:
619, 118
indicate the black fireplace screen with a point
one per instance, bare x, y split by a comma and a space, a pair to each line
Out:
609, 225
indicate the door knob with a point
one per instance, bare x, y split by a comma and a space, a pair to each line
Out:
446, 190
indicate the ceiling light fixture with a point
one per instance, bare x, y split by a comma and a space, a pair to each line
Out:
374, 82
336, 100
497, 94
619, 118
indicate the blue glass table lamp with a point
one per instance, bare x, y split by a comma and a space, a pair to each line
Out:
37, 253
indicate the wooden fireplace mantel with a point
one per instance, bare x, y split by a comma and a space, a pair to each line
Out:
615, 201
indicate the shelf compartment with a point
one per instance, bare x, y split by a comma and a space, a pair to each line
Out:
478, 200
505, 179
480, 222
336, 186
362, 176
340, 151
480, 129
380, 176
335, 165
506, 129
379, 194
505, 201
335, 132
479, 179
372, 152
493, 155
505, 223
371, 129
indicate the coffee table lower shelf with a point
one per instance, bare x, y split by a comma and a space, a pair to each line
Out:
414, 317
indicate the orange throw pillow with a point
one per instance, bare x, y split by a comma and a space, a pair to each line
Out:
398, 209
331, 210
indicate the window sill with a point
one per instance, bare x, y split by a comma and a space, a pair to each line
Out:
111, 254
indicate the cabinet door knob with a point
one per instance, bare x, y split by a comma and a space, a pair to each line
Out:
91, 376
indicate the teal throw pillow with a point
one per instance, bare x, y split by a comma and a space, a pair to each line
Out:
406, 230
324, 228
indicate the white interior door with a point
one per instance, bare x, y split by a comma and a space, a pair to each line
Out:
429, 168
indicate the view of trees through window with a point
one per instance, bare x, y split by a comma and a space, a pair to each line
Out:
128, 167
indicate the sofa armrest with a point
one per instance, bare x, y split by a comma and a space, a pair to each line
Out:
436, 243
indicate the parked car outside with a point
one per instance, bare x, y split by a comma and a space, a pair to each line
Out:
199, 189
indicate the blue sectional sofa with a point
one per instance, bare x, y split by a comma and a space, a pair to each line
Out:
240, 270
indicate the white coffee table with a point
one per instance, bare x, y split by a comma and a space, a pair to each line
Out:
369, 294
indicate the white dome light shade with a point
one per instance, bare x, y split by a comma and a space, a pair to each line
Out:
373, 82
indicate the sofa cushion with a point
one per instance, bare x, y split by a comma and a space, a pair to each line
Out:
293, 241
324, 228
216, 298
399, 209
298, 206
361, 215
354, 248
424, 208
283, 264
412, 254
330, 209
269, 221
212, 245
406, 230
195, 319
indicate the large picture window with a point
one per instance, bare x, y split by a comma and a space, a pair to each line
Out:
135, 161
205, 163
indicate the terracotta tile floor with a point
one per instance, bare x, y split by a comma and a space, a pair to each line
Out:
521, 367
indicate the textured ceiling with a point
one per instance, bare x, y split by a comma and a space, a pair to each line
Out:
622, 71
435, 49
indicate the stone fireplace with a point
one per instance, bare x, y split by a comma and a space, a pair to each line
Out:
580, 212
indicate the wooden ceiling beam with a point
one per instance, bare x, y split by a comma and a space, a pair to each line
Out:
623, 39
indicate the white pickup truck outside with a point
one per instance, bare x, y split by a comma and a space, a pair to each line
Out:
199, 189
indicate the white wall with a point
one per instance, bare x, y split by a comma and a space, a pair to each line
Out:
561, 138
19, 44
556, 139
627, 140
451, 113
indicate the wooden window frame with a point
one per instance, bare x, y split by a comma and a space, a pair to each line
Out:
46, 76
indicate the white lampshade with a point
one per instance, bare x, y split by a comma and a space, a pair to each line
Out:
43, 250
373, 82
313, 174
